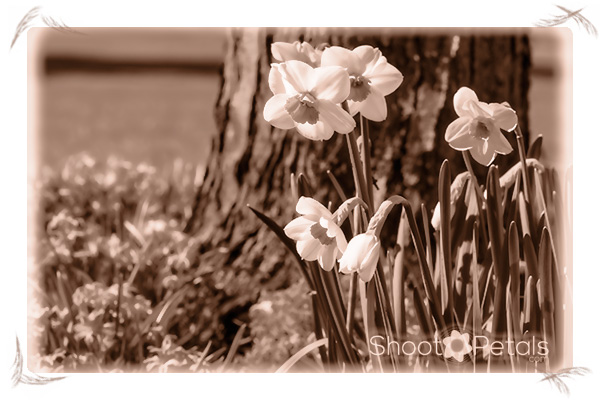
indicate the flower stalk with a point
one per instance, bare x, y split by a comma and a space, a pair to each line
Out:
523, 159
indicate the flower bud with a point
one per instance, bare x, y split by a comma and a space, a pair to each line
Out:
361, 256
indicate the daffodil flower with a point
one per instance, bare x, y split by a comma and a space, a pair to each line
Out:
477, 128
371, 78
316, 233
361, 256
457, 345
304, 52
307, 99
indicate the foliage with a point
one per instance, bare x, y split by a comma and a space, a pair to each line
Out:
119, 284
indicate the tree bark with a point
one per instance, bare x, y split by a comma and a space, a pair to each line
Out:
251, 162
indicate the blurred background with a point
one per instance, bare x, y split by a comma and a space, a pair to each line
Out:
148, 94
138, 94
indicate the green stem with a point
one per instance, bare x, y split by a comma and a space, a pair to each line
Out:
478, 193
366, 153
523, 157
359, 179
351, 305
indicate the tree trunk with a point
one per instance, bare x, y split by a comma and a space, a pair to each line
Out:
251, 162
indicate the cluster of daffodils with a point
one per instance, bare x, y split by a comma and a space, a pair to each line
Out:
319, 238
319, 92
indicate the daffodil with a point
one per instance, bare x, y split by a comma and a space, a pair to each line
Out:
304, 52
371, 78
477, 128
361, 256
457, 345
316, 233
308, 98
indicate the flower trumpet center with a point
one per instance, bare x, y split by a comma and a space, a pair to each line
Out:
359, 88
319, 232
482, 130
302, 108
457, 345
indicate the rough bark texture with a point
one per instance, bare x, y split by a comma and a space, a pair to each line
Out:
251, 162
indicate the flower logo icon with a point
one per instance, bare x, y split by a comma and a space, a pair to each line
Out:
457, 345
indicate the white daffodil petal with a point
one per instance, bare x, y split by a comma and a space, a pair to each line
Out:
482, 153
349, 261
479, 109
275, 112
461, 99
374, 107
298, 74
335, 231
319, 131
373, 254
335, 116
308, 249
283, 51
448, 351
308, 206
331, 83
505, 117
458, 134
353, 107
367, 267
367, 274
297, 227
367, 55
385, 78
327, 257
435, 219
499, 143
276, 81
342, 57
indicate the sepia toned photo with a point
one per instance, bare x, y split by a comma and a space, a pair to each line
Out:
300, 200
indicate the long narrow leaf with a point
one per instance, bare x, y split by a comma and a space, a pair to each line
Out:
445, 235
515, 280
496, 235
296, 357
289, 243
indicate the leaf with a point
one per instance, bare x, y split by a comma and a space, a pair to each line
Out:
524, 216
510, 176
398, 274
287, 242
234, 347
367, 299
422, 317
294, 187
510, 329
170, 307
547, 298
515, 282
135, 233
429, 254
445, 215
530, 257
336, 185
296, 357
535, 150
496, 234
477, 318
